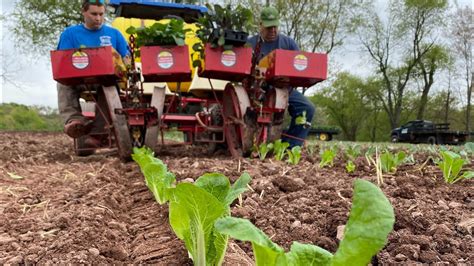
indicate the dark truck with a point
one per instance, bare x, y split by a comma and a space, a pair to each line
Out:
423, 131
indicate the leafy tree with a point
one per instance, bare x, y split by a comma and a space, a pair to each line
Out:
347, 94
409, 31
314, 25
20, 117
37, 24
462, 36
435, 59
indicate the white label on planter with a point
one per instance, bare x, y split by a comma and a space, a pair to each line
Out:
300, 62
165, 59
228, 58
80, 60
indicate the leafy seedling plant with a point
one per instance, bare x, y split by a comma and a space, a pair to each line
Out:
279, 149
159, 34
263, 150
193, 208
327, 157
351, 153
370, 221
451, 165
391, 161
294, 155
350, 167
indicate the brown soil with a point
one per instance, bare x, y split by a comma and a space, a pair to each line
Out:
96, 209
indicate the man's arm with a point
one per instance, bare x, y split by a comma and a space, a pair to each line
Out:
122, 45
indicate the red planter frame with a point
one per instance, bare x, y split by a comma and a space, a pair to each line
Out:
232, 65
165, 63
295, 68
84, 66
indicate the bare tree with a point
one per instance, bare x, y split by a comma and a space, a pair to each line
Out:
315, 25
407, 32
462, 34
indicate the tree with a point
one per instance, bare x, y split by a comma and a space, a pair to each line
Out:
462, 36
435, 59
37, 24
347, 94
315, 25
407, 31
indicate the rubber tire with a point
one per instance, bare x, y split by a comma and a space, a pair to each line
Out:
431, 140
324, 137
395, 139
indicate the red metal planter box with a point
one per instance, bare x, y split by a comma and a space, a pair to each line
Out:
232, 65
84, 66
294, 68
165, 64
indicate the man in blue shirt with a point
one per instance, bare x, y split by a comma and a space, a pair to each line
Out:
298, 104
91, 33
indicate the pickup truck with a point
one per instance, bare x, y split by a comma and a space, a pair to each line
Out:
423, 131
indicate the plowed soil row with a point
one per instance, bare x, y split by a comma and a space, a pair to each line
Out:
59, 208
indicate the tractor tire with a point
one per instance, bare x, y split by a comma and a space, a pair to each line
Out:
395, 139
324, 137
432, 140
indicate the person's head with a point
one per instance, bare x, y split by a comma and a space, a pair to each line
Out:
269, 22
93, 12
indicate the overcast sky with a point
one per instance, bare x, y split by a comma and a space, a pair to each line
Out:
30, 81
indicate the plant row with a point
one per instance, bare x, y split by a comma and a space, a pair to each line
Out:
199, 214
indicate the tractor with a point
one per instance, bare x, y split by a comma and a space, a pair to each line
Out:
232, 100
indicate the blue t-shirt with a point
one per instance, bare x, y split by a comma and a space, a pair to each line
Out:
79, 36
281, 42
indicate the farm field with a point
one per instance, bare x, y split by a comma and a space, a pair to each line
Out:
59, 208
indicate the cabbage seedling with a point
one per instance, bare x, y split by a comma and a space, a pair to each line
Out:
370, 221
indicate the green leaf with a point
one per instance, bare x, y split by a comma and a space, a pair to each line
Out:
350, 167
157, 177
265, 251
216, 184
370, 221
468, 175
192, 214
239, 187
131, 30
304, 254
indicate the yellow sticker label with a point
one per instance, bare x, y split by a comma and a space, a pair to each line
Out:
80, 60
228, 58
300, 62
165, 60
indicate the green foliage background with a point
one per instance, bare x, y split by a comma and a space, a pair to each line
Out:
17, 117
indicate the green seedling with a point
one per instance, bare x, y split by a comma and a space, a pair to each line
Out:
451, 165
279, 149
193, 208
294, 155
390, 161
157, 177
350, 167
370, 221
352, 152
264, 149
327, 158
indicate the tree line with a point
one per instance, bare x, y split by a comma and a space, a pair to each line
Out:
418, 54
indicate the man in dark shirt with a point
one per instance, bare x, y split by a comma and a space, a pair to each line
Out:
298, 104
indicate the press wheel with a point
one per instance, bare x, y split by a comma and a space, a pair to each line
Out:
157, 101
119, 123
239, 123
